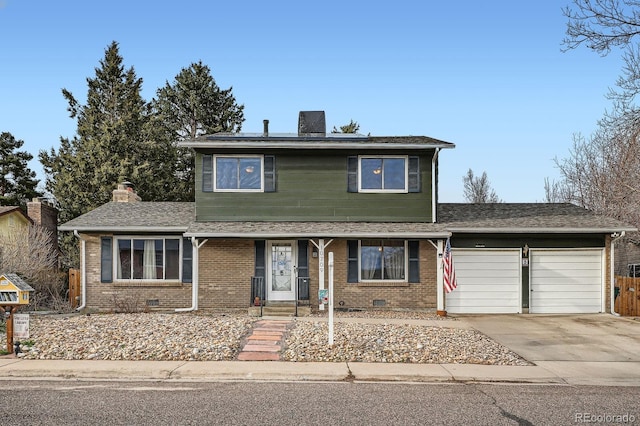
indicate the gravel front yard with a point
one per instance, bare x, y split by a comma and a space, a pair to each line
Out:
216, 336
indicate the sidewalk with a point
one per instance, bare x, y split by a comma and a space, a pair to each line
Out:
572, 373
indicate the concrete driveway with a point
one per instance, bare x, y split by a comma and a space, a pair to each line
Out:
581, 338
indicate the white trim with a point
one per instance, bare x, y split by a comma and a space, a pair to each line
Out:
382, 190
303, 235
239, 157
434, 189
310, 143
526, 230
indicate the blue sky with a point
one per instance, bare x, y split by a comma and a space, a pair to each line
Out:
487, 76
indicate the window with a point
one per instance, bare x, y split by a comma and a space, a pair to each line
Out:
147, 259
383, 174
238, 173
226, 173
383, 260
634, 270
400, 174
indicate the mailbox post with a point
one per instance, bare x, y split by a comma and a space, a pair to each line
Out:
14, 292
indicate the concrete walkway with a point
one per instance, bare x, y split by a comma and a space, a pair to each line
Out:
573, 350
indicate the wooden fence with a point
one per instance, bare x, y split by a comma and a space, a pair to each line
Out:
627, 301
75, 291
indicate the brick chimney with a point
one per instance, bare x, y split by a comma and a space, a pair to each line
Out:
312, 123
44, 214
125, 193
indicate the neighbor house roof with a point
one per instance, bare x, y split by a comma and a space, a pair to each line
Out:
239, 141
135, 217
525, 218
11, 209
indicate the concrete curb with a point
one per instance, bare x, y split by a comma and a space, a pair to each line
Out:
274, 371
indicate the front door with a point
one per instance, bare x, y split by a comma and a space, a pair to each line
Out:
281, 274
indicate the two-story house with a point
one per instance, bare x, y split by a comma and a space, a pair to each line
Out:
270, 207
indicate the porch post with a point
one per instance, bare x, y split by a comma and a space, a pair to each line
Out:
440, 308
321, 246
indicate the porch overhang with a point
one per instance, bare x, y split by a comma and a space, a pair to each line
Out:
297, 230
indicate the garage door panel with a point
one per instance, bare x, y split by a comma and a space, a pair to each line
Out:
561, 288
488, 282
487, 279
566, 281
565, 273
551, 298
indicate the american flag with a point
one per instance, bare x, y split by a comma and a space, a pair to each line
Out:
450, 282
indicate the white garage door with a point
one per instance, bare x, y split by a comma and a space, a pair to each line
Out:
488, 282
566, 281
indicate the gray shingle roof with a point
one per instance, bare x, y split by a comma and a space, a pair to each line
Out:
239, 141
525, 217
135, 217
317, 229
18, 282
476, 218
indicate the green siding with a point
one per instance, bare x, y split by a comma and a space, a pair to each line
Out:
312, 186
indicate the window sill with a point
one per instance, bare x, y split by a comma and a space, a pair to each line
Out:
142, 283
383, 284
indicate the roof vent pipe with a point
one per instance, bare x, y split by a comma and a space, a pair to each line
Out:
265, 132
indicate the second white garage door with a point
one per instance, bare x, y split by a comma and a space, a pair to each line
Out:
566, 281
488, 281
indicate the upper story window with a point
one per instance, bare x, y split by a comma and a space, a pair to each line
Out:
383, 174
238, 173
388, 173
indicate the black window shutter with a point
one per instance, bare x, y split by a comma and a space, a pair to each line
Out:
106, 259
260, 261
414, 261
187, 261
303, 258
414, 174
352, 174
269, 173
352, 261
207, 173
303, 269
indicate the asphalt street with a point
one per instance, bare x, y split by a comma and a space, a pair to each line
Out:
264, 403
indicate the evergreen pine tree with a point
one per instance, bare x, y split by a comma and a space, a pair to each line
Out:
17, 181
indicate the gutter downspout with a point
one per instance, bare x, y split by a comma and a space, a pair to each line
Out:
195, 271
611, 267
434, 186
83, 270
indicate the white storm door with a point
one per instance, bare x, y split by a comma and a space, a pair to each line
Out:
281, 274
